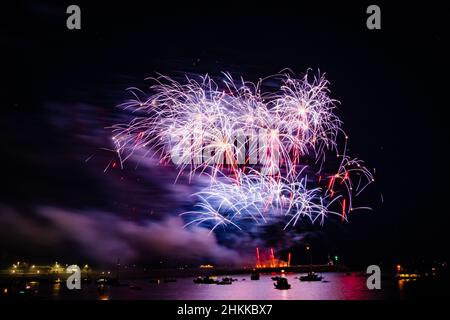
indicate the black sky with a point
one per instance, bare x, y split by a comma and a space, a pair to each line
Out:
392, 84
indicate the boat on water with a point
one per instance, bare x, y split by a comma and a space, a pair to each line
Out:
112, 282
311, 276
225, 281
205, 280
276, 278
282, 284
254, 276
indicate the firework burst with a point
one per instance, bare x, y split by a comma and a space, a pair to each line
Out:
252, 144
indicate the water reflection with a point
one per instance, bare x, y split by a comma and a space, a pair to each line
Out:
335, 286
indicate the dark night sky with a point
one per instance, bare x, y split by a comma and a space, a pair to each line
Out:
391, 83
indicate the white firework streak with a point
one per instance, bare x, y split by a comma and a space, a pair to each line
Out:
259, 198
197, 123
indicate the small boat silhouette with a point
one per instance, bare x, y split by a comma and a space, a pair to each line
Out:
254, 276
282, 284
205, 280
225, 281
311, 276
